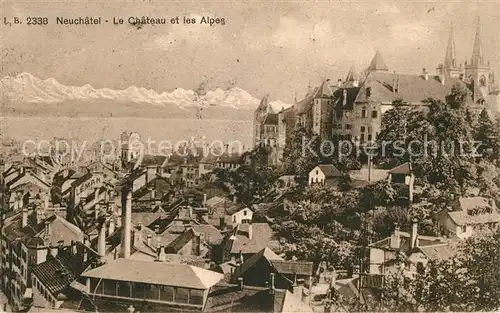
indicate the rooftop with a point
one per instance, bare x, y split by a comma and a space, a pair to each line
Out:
160, 273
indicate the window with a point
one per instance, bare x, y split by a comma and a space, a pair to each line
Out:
362, 129
166, 293
123, 289
368, 92
109, 287
138, 290
244, 212
346, 114
482, 81
196, 297
374, 114
363, 113
95, 286
151, 292
181, 295
347, 126
369, 137
362, 137
463, 228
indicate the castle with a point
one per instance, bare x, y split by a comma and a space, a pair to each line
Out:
352, 109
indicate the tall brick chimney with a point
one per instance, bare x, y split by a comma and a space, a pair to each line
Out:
126, 221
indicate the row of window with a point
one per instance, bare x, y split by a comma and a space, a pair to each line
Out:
146, 291
364, 114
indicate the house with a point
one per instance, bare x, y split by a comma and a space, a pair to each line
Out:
229, 160
407, 249
324, 174
401, 175
27, 240
223, 213
289, 275
127, 285
468, 214
152, 285
55, 282
403, 180
245, 240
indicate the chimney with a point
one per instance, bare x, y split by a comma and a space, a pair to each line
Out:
240, 257
443, 79
235, 199
74, 250
162, 257
271, 284
112, 225
425, 74
25, 217
149, 240
339, 83
344, 98
101, 248
240, 283
126, 221
97, 210
395, 238
414, 234
250, 231
60, 246
138, 236
47, 228
222, 223
46, 201
394, 83
204, 199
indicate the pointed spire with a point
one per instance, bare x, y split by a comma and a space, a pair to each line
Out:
351, 75
450, 57
377, 64
477, 49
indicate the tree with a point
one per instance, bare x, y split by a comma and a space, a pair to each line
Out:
297, 158
487, 134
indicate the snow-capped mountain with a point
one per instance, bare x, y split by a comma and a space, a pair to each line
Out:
30, 89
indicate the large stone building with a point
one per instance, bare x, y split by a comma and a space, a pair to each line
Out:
352, 109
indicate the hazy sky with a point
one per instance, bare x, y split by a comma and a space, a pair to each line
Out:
264, 47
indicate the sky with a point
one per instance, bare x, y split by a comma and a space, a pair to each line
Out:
275, 48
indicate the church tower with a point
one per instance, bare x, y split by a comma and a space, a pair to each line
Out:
478, 70
450, 66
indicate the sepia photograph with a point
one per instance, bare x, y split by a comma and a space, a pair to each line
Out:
271, 156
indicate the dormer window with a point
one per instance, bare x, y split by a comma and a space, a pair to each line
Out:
368, 92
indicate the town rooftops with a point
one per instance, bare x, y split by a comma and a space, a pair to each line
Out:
167, 274
248, 238
330, 170
386, 87
265, 253
293, 267
232, 298
474, 210
439, 252
405, 238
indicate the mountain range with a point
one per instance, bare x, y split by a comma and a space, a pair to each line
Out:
24, 91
